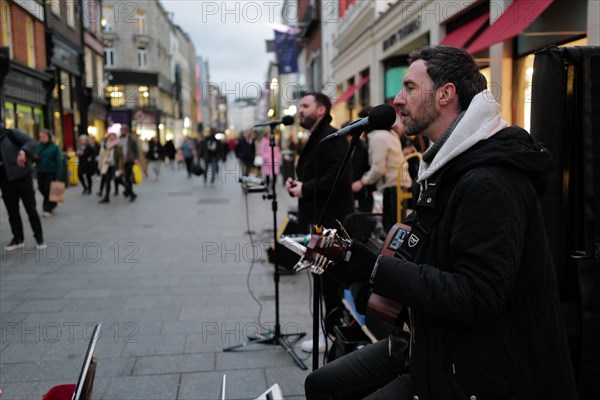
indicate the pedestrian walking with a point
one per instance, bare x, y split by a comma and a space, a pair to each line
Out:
110, 163
48, 161
86, 163
211, 147
155, 156
268, 161
131, 156
188, 150
171, 152
16, 184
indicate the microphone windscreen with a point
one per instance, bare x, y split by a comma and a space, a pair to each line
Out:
287, 120
382, 117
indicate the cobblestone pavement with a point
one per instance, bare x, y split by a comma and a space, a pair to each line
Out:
167, 277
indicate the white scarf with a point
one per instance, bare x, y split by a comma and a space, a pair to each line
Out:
481, 121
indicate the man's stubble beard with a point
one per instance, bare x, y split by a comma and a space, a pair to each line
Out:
419, 124
308, 122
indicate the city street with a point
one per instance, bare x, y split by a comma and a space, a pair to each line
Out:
167, 277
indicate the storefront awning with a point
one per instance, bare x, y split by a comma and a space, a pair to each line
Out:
459, 37
517, 17
351, 90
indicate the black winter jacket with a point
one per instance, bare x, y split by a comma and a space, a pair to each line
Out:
11, 142
486, 315
329, 159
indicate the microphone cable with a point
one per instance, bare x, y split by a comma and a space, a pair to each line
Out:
252, 262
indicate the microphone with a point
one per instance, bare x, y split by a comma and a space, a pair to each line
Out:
380, 117
286, 120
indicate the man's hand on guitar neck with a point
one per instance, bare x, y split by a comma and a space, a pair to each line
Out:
357, 269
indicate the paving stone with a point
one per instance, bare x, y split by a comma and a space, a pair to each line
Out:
167, 306
206, 386
174, 364
154, 387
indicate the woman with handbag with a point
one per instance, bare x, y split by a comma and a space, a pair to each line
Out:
49, 168
110, 162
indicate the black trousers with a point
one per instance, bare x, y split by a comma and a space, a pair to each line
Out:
85, 178
128, 178
106, 180
44, 180
188, 165
368, 373
12, 192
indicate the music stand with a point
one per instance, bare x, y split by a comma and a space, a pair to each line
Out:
275, 336
86, 362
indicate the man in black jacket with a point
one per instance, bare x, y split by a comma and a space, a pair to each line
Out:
481, 292
316, 171
16, 183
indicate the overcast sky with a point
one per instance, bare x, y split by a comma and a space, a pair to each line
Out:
231, 35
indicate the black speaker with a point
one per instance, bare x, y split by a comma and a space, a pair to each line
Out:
566, 119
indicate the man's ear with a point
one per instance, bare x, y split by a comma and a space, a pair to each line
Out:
321, 110
447, 94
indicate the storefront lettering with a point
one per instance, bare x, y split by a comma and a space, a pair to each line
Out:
402, 33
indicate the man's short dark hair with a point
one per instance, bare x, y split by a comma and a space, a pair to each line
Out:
364, 112
321, 100
447, 64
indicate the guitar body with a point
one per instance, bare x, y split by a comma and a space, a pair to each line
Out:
379, 306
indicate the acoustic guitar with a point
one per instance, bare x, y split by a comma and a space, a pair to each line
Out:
326, 246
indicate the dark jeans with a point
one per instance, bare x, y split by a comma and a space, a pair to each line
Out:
11, 193
368, 373
86, 179
128, 178
213, 164
44, 180
106, 180
188, 165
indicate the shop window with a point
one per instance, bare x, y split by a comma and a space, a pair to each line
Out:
65, 90
6, 27
364, 91
393, 81
9, 115
524, 74
25, 121
30, 37
351, 103
144, 96
117, 95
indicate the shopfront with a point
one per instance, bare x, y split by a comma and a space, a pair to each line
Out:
24, 96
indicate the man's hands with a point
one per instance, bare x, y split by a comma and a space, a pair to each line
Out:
293, 187
21, 159
358, 269
357, 186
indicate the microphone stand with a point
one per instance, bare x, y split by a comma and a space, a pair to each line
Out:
317, 278
275, 336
